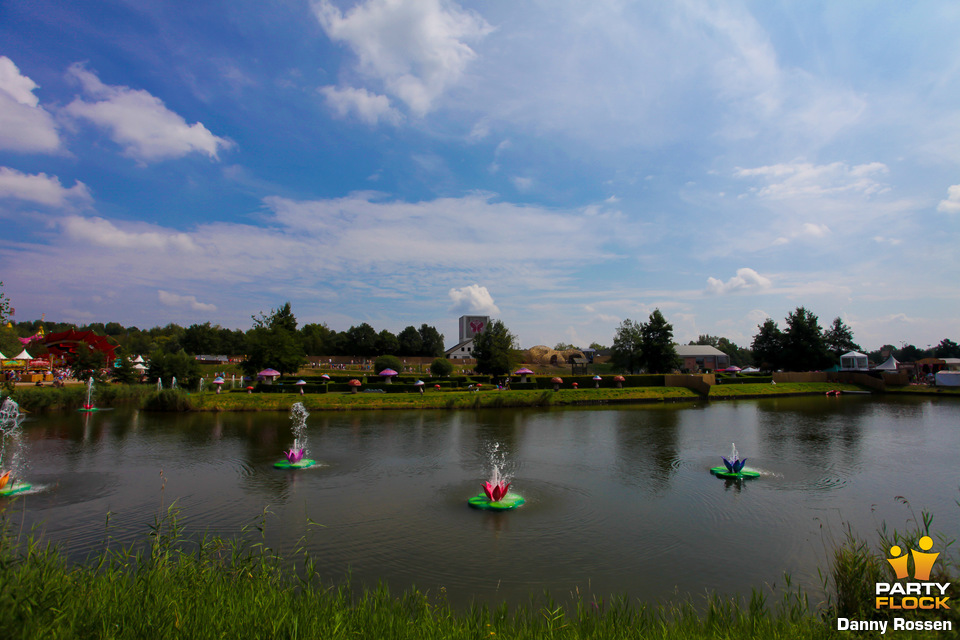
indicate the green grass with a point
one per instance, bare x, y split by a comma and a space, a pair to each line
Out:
38, 399
242, 401
218, 588
782, 388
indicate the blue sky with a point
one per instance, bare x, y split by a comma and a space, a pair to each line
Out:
561, 165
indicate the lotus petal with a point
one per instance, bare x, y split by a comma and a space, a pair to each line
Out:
294, 456
488, 490
738, 465
4, 479
728, 464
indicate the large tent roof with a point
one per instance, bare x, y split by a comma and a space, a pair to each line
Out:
889, 365
65, 343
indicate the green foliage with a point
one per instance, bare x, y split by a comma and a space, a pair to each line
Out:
431, 342
839, 339
88, 363
125, 373
168, 400
564, 346
494, 350
181, 365
441, 368
387, 362
360, 341
387, 343
627, 347
410, 342
656, 344
275, 343
947, 349
768, 346
4, 306
804, 348
318, 340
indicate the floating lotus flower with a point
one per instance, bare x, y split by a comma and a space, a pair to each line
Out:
495, 493
294, 455
734, 467
4, 479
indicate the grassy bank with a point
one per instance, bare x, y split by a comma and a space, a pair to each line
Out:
174, 586
230, 589
239, 401
722, 391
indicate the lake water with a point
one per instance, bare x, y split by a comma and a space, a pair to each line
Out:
619, 501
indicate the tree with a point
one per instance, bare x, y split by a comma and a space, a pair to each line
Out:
5, 312
804, 348
947, 349
431, 342
768, 346
441, 368
124, 373
318, 339
494, 350
360, 341
181, 365
563, 346
909, 353
597, 346
201, 339
627, 349
274, 342
656, 344
411, 344
87, 362
387, 343
839, 339
387, 362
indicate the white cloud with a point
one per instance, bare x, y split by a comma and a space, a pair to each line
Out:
191, 302
806, 230
369, 107
746, 280
952, 203
24, 125
140, 122
40, 188
99, 232
522, 183
416, 48
472, 299
804, 179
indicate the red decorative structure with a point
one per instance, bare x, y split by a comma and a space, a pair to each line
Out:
64, 344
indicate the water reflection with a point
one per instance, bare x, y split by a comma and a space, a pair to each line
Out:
620, 499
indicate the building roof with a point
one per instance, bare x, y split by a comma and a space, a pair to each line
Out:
697, 351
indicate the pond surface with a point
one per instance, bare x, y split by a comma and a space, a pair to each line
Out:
618, 501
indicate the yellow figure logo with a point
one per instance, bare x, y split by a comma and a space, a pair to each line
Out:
922, 562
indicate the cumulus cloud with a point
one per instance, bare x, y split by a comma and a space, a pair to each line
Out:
369, 107
472, 299
139, 122
100, 232
416, 48
191, 302
952, 203
746, 280
804, 179
24, 125
40, 189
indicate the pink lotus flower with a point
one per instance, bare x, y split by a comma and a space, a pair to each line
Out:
3, 479
294, 455
495, 492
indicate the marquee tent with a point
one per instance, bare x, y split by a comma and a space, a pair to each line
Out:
854, 361
891, 364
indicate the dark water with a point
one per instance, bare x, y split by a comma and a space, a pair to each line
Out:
618, 500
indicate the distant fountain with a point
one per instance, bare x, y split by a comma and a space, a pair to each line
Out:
88, 403
296, 456
201, 385
173, 382
734, 467
10, 446
159, 385
495, 496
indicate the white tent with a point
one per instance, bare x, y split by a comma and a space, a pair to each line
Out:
947, 378
23, 356
891, 364
137, 360
854, 361
2, 357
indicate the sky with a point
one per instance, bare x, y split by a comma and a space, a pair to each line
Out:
557, 164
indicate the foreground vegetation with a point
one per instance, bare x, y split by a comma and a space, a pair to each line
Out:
237, 588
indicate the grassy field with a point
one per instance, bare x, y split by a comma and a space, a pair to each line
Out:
783, 388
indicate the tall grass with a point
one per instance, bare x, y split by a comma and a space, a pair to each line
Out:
217, 588
39, 399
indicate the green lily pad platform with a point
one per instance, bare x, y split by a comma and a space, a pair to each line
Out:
721, 472
90, 410
15, 489
303, 464
506, 503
